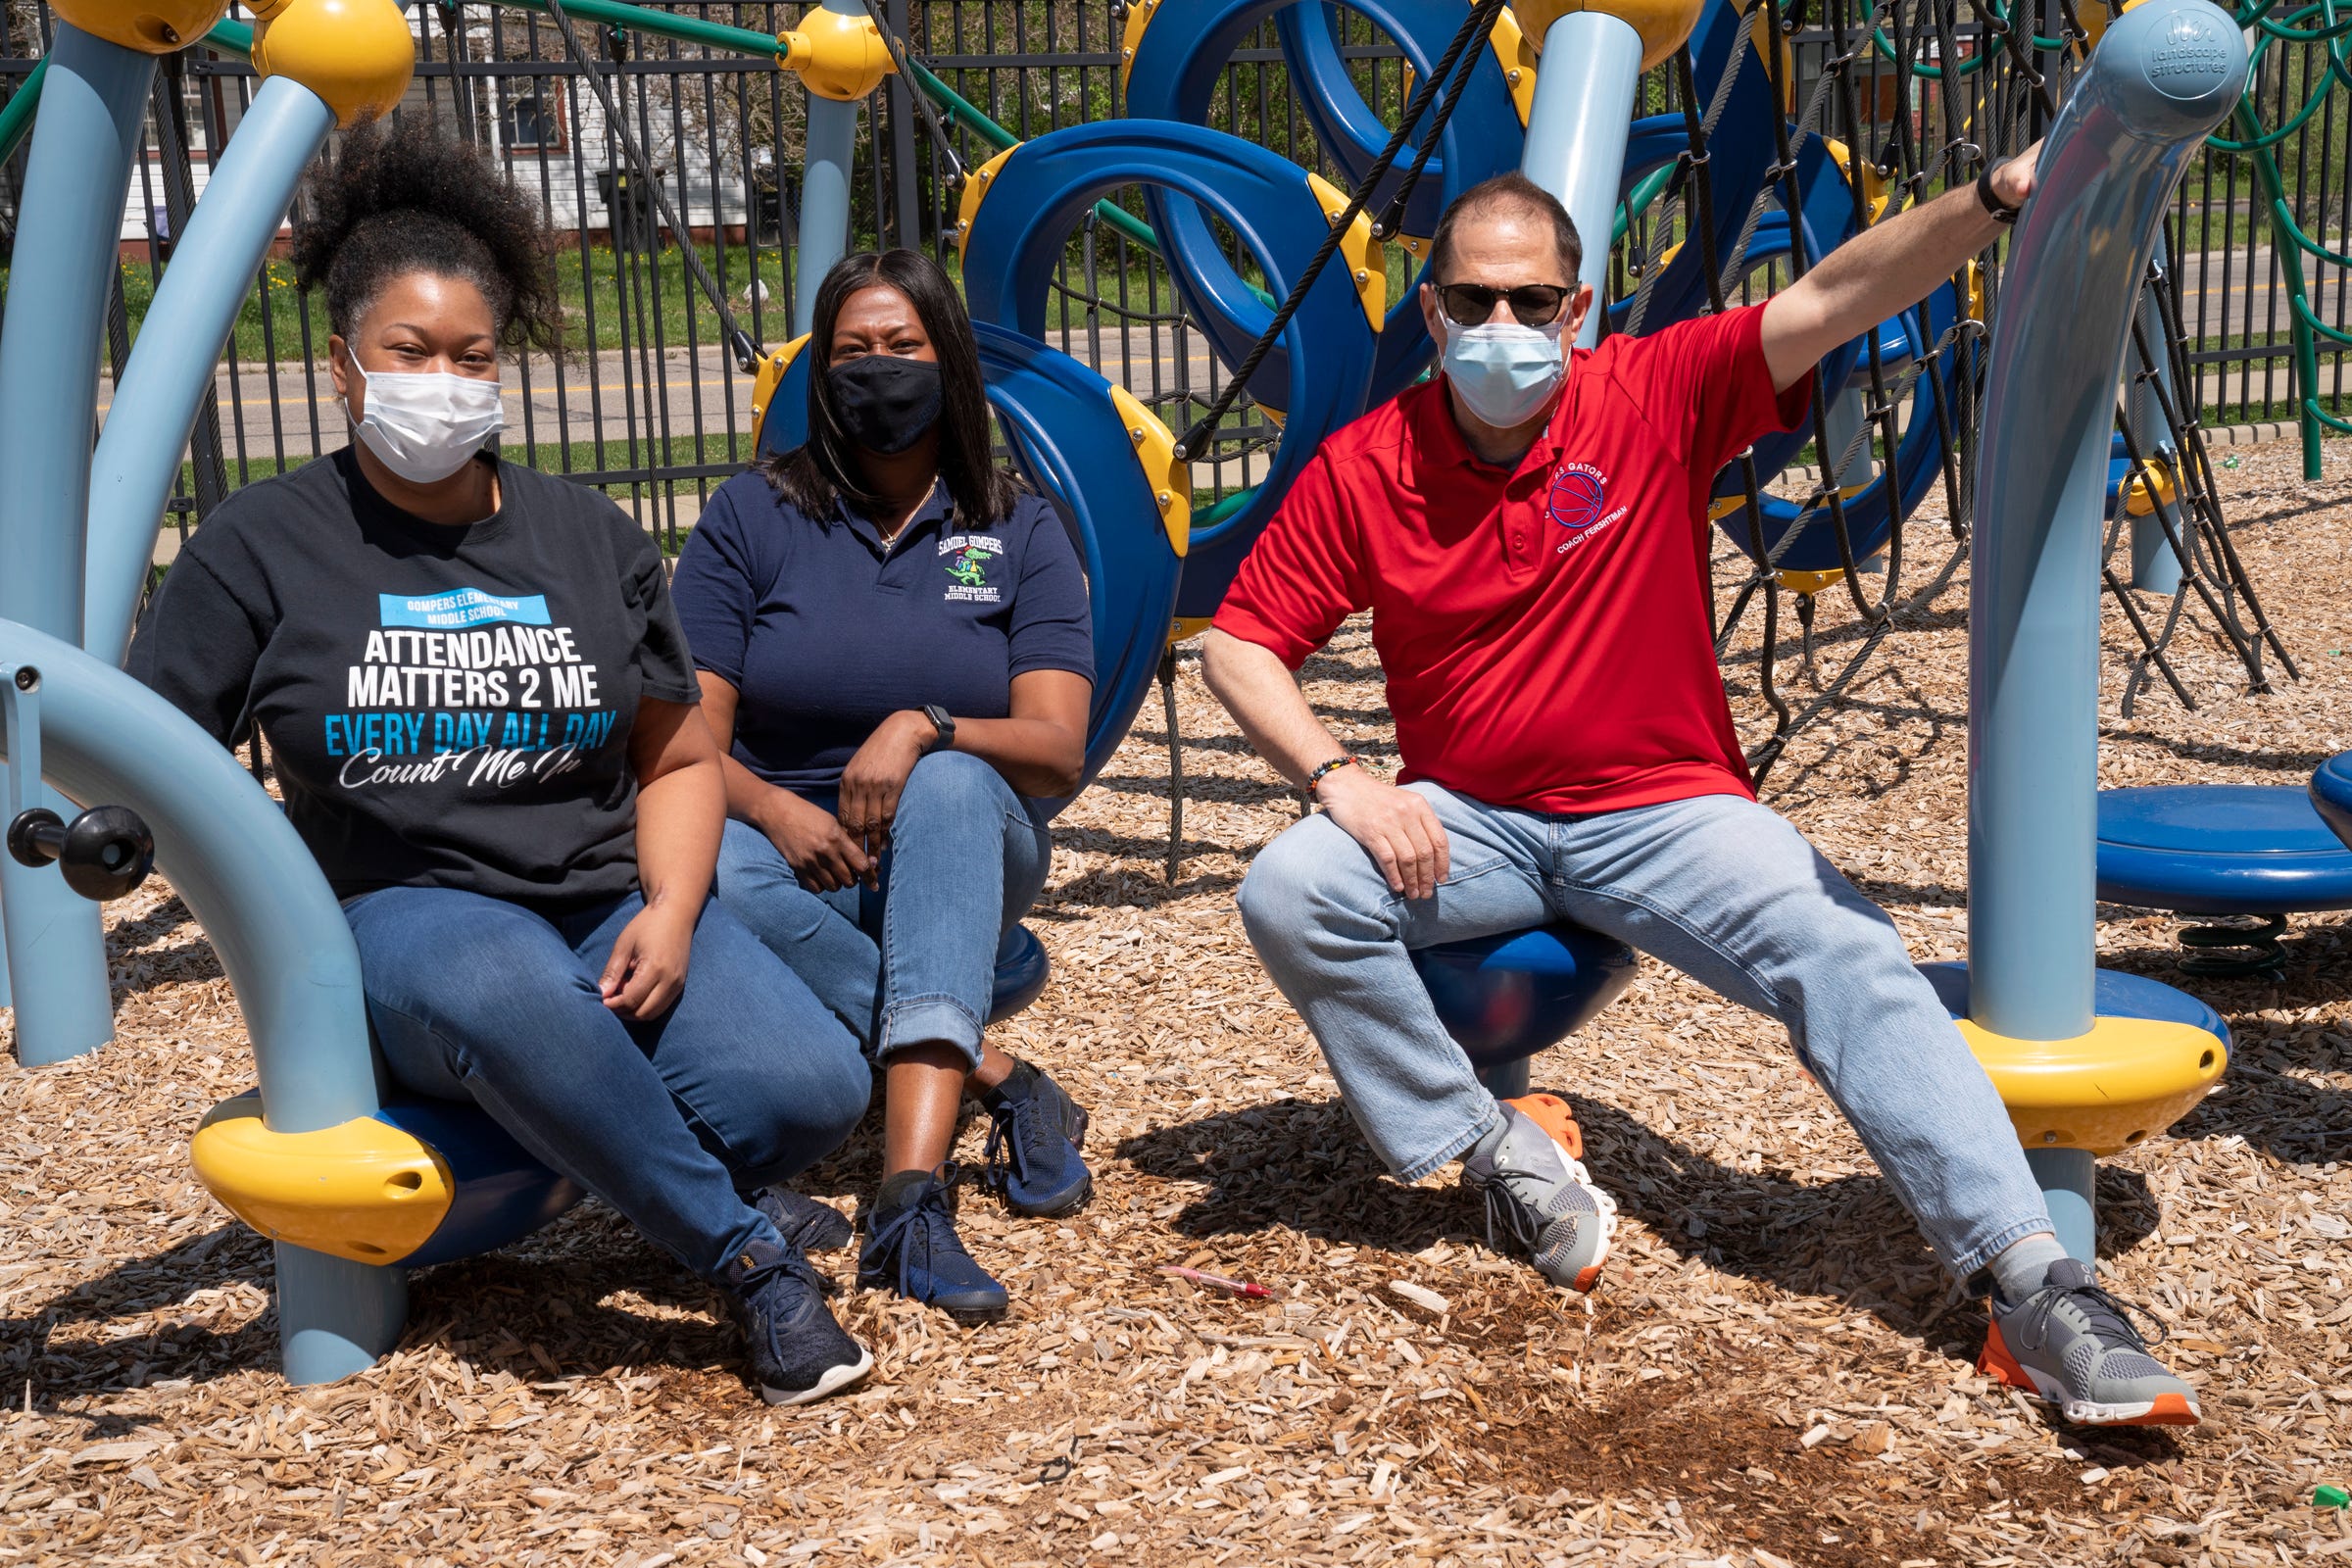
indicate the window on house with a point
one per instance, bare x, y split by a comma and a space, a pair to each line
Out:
534, 124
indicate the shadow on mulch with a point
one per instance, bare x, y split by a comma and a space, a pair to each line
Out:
1301, 1164
537, 1312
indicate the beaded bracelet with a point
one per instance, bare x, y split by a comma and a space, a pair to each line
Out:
1328, 769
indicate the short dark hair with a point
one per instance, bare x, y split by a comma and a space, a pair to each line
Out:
1505, 193
815, 475
404, 198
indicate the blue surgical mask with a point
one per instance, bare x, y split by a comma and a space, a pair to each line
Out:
1506, 373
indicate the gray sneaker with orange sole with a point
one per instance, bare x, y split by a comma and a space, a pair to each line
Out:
2073, 1344
1537, 1194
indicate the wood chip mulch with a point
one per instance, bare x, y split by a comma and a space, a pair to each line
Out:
1774, 1373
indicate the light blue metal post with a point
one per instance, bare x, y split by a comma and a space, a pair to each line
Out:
2154, 567
195, 308
1576, 133
1511, 1079
2067, 1176
2165, 73
2161, 77
69, 227
248, 880
826, 174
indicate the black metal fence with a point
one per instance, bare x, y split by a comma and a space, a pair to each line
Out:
647, 402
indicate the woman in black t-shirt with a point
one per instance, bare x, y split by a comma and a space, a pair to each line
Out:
895, 647
482, 713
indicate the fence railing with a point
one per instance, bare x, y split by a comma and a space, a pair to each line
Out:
647, 403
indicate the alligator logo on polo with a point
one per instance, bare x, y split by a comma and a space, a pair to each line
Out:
969, 558
1576, 502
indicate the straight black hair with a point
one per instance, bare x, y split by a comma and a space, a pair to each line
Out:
824, 470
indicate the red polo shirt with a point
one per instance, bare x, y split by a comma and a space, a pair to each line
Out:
1546, 632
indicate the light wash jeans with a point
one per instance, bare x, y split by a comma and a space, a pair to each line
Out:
914, 960
746, 1080
1721, 888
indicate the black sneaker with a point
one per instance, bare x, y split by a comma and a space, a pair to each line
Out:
1033, 1140
911, 1247
798, 1352
802, 1221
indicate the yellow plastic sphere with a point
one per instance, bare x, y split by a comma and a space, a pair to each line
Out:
151, 26
1665, 26
355, 55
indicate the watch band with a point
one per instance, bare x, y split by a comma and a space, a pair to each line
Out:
1993, 207
942, 722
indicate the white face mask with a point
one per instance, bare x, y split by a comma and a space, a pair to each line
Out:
1506, 373
427, 426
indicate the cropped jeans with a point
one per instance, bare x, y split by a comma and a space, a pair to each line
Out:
913, 960
1721, 888
746, 1080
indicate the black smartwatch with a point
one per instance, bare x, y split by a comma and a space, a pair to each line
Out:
1993, 207
941, 723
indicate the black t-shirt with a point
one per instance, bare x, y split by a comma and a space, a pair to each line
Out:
447, 706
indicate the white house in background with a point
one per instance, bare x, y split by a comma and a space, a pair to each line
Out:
548, 129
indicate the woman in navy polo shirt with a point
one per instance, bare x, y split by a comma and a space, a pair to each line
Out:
894, 646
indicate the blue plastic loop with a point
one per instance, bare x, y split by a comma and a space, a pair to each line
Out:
1482, 139
1041, 192
1510, 996
1068, 441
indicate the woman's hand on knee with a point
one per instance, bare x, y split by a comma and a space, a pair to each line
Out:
875, 778
823, 856
647, 972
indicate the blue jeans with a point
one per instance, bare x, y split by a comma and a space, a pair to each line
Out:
1721, 888
914, 960
745, 1081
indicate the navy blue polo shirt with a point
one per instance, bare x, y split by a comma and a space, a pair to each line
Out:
826, 632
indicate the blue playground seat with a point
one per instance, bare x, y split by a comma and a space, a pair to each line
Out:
1507, 997
2331, 792
2226, 850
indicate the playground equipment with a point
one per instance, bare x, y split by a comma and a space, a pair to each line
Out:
352, 1189
2088, 1063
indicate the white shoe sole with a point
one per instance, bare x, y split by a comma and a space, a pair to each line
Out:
833, 1382
2089, 1414
1608, 1206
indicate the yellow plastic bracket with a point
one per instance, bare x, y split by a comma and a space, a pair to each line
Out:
1139, 17
364, 1189
975, 191
2151, 487
1363, 253
1809, 582
772, 367
355, 55
1186, 627
1973, 281
1171, 481
148, 27
1517, 58
836, 56
1874, 195
2110, 1090
1665, 26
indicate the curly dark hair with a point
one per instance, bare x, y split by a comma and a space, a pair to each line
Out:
404, 198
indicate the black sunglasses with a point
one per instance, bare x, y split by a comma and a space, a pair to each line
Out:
1473, 303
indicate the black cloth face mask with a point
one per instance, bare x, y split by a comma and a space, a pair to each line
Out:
885, 403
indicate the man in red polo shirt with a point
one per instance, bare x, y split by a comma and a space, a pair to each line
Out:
1530, 532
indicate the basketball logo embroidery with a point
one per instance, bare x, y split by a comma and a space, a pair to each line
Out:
1577, 496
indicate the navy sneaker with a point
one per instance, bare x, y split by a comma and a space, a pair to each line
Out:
798, 1352
802, 1221
911, 1247
1033, 1140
